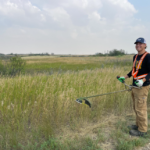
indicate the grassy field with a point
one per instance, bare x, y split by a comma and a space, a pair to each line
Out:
38, 110
52, 64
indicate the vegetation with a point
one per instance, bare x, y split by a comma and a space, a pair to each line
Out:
52, 64
38, 110
120, 134
114, 52
4, 57
15, 66
40, 54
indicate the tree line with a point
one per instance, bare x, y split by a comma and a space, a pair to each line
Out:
113, 52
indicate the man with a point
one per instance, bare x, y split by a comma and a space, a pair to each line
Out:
141, 78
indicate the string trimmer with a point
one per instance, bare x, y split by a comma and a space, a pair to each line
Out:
85, 101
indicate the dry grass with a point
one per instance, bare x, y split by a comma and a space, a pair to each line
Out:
73, 60
42, 105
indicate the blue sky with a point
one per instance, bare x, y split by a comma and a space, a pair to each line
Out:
143, 8
72, 26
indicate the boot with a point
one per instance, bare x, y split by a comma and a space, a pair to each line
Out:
137, 133
134, 127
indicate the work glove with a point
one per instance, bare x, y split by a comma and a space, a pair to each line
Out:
121, 79
139, 83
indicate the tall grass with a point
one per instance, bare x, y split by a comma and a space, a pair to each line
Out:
33, 108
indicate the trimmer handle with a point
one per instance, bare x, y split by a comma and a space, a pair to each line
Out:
121, 80
118, 77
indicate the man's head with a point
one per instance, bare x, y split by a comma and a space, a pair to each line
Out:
140, 44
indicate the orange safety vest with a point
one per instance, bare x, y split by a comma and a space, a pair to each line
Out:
135, 72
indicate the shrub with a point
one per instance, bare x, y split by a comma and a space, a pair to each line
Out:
2, 68
116, 52
16, 66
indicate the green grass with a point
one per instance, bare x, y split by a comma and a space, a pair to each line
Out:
63, 67
74, 64
35, 108
124, 141
55, 144
59, 67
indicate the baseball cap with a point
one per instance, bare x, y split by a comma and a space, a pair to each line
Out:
140, 40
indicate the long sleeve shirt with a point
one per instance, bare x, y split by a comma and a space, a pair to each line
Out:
144, 69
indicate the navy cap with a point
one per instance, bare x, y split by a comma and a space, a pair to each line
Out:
140, 40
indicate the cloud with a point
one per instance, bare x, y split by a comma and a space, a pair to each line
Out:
20, 13
66, 22
79, 12
95, 16
124, 4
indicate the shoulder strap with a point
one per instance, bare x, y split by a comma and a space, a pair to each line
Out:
141, 60
135, 60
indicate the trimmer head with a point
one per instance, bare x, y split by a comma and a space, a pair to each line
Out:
83, 101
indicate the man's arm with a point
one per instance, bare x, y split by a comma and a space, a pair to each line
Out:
122, 79
128, 75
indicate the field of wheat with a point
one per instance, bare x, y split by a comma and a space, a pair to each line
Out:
38, 110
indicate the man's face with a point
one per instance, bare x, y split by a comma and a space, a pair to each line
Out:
140, 46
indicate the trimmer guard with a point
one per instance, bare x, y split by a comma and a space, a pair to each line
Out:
83, 101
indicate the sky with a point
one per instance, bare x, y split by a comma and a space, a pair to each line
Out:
72, 26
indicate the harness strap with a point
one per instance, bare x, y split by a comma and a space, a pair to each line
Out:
141, 77
134, 73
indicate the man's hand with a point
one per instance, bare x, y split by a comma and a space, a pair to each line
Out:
144, 80
121, 79
139, 83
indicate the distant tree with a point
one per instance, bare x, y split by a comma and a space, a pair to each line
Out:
47, 54
116, 52
2, 54
99, 54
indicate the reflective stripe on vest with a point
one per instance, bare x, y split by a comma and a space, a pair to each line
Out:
141, 77
134, 73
